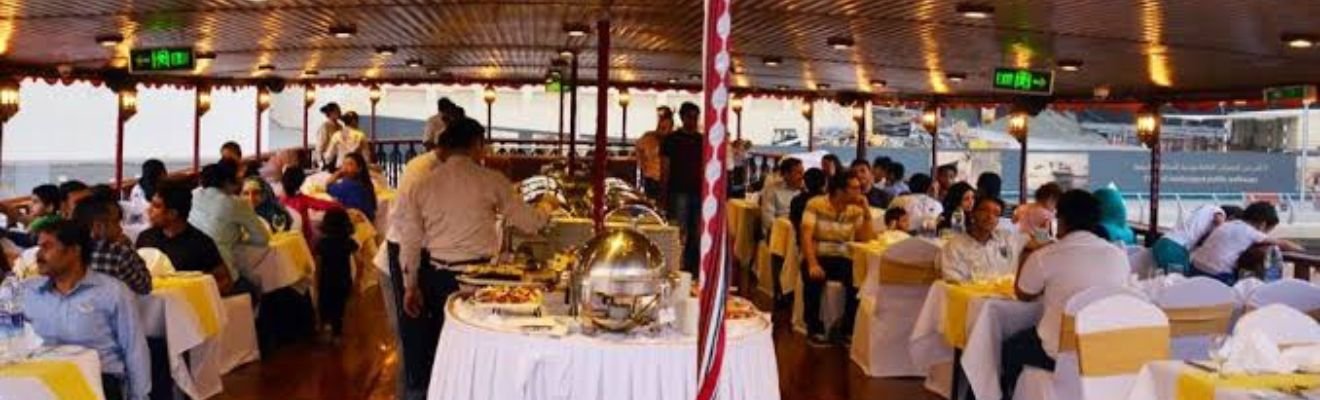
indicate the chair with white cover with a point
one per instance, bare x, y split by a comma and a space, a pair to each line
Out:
907, 269
1116, 336
1298, 294
1142, 260
1282, 324
157, 262
1065, 382
1197, 308
1244, 288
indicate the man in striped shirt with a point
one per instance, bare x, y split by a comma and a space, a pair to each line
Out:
828, 224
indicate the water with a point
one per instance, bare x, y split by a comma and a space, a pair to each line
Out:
12, 319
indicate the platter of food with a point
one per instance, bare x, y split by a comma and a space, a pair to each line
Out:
510, 299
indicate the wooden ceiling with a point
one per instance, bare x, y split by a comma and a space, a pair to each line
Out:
1131, 46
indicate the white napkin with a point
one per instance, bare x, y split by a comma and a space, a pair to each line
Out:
1254, 353
1307, 358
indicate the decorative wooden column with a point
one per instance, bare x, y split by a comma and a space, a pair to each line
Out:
374, 94
201, 106
859, 116
488, 95
263, 103
809, 112
572, 116
1148, 131
1018, 127
127, 109
930, 120
9, 104
309, 98
602, 122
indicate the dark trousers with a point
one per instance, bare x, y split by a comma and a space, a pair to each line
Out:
1019, 351
418, 353
334, 287
652, 188
776, 268
113, 386
685, 210
162, 384
837, 269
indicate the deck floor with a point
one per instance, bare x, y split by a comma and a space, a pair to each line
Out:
363, 365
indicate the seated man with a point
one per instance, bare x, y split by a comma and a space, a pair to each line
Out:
923, 210
876, 197
73, 305
1218, 255
828, 224
777, 199
227, 220
187, 247
982, 252
1079, 260
111, 252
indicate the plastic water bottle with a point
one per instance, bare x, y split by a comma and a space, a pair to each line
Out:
958, 221
1273, 265
12, 320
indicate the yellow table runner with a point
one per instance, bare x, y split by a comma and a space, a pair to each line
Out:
1195, 384
195, 293
744, 219
958, 300
863, 251
62, 378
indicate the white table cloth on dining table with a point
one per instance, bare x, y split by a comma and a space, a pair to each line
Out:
187, 311
474, 361
61, 373
988, 322
285, 261
1171, 380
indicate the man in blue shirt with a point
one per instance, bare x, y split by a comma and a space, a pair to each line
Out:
73, 305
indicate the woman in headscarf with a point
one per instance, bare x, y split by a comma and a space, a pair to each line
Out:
1113, 217
262, 197
961, 197
1173, 251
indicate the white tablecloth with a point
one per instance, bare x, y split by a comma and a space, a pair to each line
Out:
24, 388
1158, 381
989, 322
474, 362
276, 266
168, 314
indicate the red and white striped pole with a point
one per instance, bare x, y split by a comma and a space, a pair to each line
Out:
714, 241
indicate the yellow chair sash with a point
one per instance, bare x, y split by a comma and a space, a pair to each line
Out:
900, 273
62, 378
1195, 384
1122, 351
1198, 321
1068, 334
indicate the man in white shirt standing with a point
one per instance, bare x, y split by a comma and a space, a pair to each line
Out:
1078, 261
924, 211
328, 129
982, 252
435, 125
1218, 255
446, 220
776, 199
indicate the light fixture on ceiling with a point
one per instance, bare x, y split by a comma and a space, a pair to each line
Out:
343, 31
738, 70
205, 56
955, 77
822, 86
433, 71
694, 77
1299, 40
566, 53
878, 84
387, 50
781, 87
975, 10
673, 80
311, 73
342, 77
576, 29
414, 63
839, 42
110, 40
265, 68
772, 61
1070, 65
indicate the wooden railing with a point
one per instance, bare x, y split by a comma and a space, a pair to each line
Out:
517, 158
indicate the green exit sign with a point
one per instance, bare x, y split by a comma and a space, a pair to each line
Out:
162, 59
1292, 92
1024, 81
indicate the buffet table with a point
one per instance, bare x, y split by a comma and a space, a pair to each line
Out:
60, 373
484, 358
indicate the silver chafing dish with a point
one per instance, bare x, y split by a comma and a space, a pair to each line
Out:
620, 282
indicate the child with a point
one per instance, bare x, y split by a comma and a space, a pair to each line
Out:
334, 253
896, 219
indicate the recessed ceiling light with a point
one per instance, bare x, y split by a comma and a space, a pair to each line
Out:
415, 63
205, 56
781, 87
673, 80
975, 10
566, 53
738, 70
387, 50
576, 29
955, 77
772, 61
1070, 65
343, 31
265, 67
342, 77
839, 42
878, 84
110, 40
694, 76
311, 72
433, 71
822, 86
1299, 40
